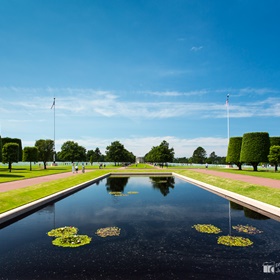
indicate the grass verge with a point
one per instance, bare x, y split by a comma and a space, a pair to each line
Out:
261, 193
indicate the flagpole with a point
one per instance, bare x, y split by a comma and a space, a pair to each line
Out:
228, 117
53, 106
229, 210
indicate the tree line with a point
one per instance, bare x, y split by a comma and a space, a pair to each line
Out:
11, 151
253, 148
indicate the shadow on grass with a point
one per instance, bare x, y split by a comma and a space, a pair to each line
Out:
10, 176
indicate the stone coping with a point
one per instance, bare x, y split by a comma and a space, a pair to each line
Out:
260, 207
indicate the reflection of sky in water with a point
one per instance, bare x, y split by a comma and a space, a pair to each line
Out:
155, 226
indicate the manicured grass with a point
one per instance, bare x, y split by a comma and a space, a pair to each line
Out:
261, 193
15, 198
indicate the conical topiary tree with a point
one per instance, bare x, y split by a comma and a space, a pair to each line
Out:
234, 149
255, 148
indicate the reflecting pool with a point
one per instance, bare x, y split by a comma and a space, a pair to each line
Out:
157, 240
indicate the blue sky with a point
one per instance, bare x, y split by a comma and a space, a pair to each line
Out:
139, 72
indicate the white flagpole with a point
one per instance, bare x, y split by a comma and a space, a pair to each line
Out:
227, 102
53, 106
229, 210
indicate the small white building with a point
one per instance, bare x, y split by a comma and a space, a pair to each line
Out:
140, 160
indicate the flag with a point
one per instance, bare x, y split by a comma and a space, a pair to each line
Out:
227, 100
53, 103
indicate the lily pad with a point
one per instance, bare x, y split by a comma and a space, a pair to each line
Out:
247, 229
108, 231
63, 231
72, 241
207, 228
117, 194
236, 241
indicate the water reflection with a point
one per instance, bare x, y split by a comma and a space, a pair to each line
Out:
163, 184
116, 184
157, 240
248, 212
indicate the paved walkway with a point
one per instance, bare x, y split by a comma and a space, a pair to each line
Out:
244, 178
4, 187
33, 181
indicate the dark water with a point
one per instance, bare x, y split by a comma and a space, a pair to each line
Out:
157, 240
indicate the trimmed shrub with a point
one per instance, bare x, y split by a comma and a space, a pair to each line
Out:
255, 148
234, 149
274, 141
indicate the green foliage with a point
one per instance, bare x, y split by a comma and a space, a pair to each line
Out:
207, 228
10, 154
63, 231
199, 155
117, 153
235, 241
72, 241
30, 154
274, 156
45, 150
71, 151
234, 149
6, 140
94, 155
275, 141
160, 154
255, 148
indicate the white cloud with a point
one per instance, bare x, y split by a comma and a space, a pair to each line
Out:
196, 49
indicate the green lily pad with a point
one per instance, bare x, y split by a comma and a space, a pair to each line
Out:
72, 241
236, 241
63, 231
207, 228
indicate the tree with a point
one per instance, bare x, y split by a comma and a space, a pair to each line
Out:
10, 154
160, 154
213, 158
45, 150
274, 141
30, 154
233, 153
95, 155
255, 148
71, 151
117, 153
199, 155
274, 156
6, 140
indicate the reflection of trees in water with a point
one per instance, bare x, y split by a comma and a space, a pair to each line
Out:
116, 184
163, 184
235, 206
254, 215
248, 212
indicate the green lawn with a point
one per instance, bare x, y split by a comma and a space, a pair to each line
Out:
16, 198
261, 193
